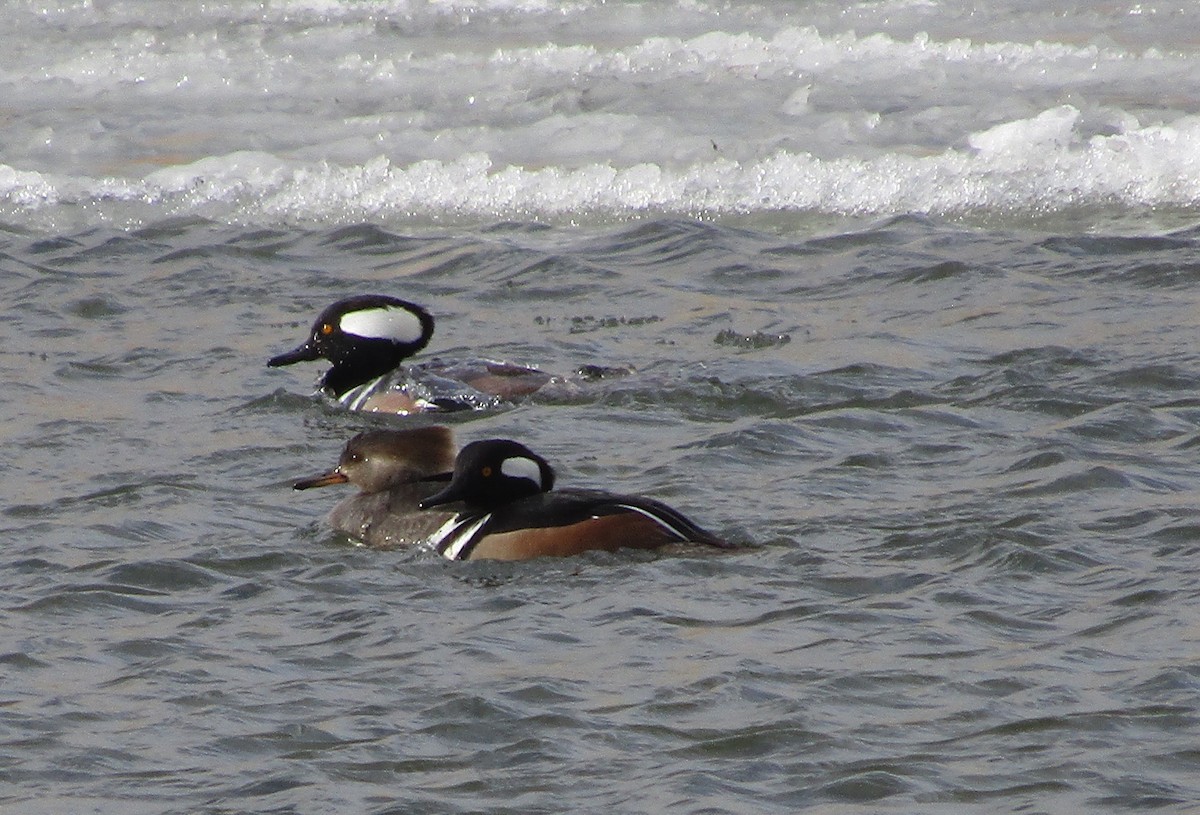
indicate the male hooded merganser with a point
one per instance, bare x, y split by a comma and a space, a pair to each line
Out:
367, 337
511, 513
394, 469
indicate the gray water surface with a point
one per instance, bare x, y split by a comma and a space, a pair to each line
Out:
962, 460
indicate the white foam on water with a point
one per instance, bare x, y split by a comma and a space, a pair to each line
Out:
1033, 165
321, 111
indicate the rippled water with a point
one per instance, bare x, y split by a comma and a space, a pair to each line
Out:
962, 460
910, 289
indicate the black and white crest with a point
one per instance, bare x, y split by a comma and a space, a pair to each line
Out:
492, 472
376, 317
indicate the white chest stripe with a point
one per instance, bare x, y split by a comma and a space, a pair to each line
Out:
397, 324
456, 535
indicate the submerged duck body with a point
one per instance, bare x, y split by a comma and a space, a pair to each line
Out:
512, 511
366, 339
393, 470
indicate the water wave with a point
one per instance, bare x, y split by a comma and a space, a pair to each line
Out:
327, 113
1032, 166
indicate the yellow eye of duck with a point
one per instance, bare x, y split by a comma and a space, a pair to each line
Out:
486, 472
326, 329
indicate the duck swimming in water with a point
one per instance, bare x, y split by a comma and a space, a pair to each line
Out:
366, 338
512, 512
392, 470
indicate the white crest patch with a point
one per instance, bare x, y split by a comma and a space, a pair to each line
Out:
385, 323
521, 467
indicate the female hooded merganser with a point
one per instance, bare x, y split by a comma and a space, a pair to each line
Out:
394, 469
367, 338
511, 513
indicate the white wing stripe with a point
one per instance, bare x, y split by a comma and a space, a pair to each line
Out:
658, 519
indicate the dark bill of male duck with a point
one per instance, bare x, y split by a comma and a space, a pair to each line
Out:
394, 470
367, 338
512, 512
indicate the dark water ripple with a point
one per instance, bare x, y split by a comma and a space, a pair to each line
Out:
966, 478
